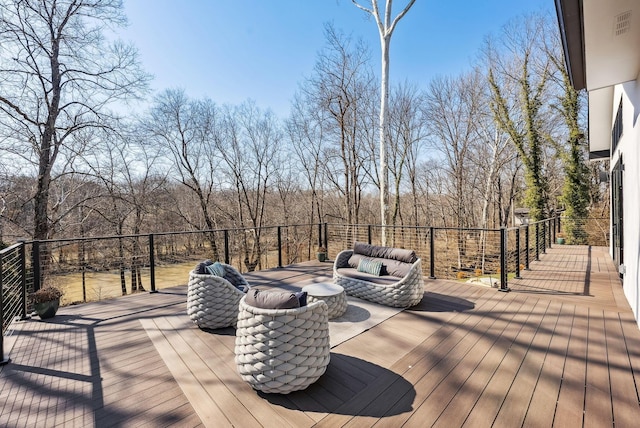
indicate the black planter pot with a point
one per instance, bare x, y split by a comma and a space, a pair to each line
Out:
47, 309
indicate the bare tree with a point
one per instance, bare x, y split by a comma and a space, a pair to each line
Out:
58, 76
452, 111
341, 87
249, 148
307, 135
385, 29
495, 157
306, 131
187, 130
518, 59
407, 132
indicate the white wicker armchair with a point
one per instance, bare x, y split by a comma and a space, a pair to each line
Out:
212, 301
282, 350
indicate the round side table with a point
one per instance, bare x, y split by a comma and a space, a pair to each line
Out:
333, 295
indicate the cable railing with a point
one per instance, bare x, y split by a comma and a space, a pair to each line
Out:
97, 268
476, 254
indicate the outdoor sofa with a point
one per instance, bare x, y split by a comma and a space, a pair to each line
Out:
386, 275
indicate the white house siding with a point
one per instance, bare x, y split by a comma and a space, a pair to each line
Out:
629, 147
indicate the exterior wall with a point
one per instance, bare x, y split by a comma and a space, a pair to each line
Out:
629, 148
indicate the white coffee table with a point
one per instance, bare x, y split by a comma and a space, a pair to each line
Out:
333, 295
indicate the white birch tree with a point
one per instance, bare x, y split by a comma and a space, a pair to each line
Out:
386, 26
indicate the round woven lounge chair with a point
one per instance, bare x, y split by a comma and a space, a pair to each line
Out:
212, 301
404, 293
282, 350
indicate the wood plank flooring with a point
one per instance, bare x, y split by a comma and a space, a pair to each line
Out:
561, 349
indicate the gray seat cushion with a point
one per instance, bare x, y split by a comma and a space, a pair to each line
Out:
391, 253
272, 299
390, 267
379, 280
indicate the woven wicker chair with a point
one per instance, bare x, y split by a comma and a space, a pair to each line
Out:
212, 301
406, 292
282, 350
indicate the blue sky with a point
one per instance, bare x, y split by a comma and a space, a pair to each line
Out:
234, 50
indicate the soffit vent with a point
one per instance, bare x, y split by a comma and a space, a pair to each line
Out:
622, 23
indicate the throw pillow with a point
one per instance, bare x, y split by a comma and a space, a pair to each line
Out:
243, 288
216, 269
302, 298
370, 266
201, 268
272, 299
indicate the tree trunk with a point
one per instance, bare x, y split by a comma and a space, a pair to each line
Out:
384, 114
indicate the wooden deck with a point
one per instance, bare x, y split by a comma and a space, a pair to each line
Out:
562, 349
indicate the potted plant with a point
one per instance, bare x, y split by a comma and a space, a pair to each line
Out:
560, 238
322, 253
46, 301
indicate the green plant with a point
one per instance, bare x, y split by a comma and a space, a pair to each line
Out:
46, 294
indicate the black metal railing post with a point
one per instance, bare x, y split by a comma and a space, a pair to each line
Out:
526, 243
35, 265
3, 359
518, 253
559, 224
503, 260
432, 261
279, 246
369, 234
326, 236
23, 281
152, 264
226, 246
537, 241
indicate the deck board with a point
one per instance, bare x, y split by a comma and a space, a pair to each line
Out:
546, 390
507, 362
486, 334
513, 410
209, 414
440, 367
562, 349
598, 405
569, 407
469, 388
624, 394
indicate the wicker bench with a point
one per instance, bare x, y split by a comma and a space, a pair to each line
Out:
400, 284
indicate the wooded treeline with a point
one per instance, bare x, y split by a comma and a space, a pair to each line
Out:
463, 150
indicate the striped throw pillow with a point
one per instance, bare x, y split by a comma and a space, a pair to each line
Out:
216, 269
374, 267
